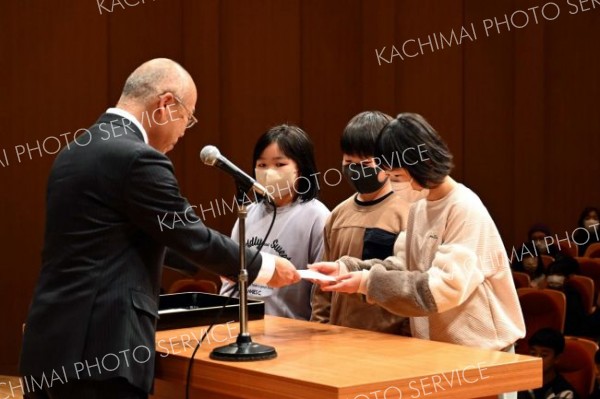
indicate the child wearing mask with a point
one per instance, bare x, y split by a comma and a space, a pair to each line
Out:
365, 226
537, 236
588, 229
528, 262
284, 164
548, 344
455, 281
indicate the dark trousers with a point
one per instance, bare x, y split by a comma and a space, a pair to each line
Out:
116, 388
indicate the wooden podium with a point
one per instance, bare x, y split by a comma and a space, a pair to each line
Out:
317, 361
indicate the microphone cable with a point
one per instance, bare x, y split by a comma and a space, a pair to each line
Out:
233, 291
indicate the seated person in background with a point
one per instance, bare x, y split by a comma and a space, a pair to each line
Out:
576, 321
365, 226
548, 344
527, 262
588, 220
281, 156
537, 236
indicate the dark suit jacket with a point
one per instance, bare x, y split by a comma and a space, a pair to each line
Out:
94, 309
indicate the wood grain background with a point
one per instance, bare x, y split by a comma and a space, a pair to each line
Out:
518, 109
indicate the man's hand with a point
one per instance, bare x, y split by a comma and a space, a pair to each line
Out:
285, 274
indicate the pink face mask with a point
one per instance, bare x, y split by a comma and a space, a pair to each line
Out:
409, 194
279, 183
589, 224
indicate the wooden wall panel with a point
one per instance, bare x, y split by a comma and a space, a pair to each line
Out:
489, 114
518, 109
431, 83
378, 79
260, 66
331, 90
137, 34
57, 83
572, 120
528, 127
201, 59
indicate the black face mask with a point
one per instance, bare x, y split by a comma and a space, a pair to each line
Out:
363, 178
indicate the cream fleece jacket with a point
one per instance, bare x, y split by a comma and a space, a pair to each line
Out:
455, 282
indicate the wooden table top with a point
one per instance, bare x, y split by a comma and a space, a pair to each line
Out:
324, 361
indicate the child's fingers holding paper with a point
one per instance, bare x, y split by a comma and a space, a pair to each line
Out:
348, 283
329, 268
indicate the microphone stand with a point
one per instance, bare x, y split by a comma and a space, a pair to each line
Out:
243, 349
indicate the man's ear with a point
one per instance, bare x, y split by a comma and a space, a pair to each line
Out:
165, 99
160, 113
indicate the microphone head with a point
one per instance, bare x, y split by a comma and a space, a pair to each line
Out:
210, 154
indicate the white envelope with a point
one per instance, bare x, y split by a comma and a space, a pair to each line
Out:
314, 275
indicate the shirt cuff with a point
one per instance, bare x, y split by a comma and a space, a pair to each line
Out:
362, 288
267, 269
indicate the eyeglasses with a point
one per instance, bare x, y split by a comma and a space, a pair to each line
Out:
191, 118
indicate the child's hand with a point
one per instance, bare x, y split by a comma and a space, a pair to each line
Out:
328, 268
348, 283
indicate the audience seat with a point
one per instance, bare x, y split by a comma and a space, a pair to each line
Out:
590, 267
190, 285
547, 260
585, 287
541, 308
522, 280
571, 251
593, 251
577, 365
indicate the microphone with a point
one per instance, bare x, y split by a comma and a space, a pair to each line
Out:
211, 156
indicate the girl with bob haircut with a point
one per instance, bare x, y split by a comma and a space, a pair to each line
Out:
455, 281
284, 164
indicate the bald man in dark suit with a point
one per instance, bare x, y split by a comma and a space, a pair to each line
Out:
91, 326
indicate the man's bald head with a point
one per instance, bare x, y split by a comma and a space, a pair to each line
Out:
162, 96
155, 77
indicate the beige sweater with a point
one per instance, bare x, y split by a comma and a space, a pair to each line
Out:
455, 281
348, 231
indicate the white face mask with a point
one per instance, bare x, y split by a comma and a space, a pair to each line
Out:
555, 280
541, 246
279, 183
405, 190
589, 224
530, 263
